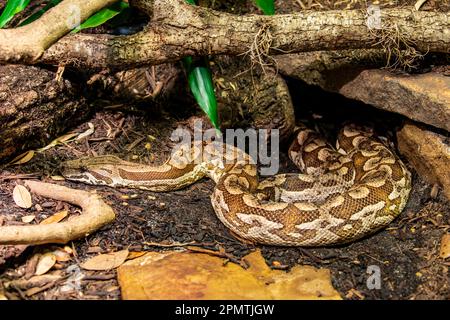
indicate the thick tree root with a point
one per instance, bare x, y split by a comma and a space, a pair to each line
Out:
96, 214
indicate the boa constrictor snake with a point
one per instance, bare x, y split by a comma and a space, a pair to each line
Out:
342, 194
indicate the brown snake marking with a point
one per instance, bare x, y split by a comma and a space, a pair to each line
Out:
341, 194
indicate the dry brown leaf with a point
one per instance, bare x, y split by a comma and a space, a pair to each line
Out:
28, 219
86, 133
444, 253
22, 197
66, 137
62, 139
61, 255
419, 4
184, 275
23, 157
135, 254
106, 261
35, 281
57, 217
68, 249
45, 263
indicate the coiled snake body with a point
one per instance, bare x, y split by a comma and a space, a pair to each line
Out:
341, 194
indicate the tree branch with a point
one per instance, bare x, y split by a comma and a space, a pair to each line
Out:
27, 43
96, 214
178, 29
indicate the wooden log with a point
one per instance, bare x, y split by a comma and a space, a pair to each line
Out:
35, 107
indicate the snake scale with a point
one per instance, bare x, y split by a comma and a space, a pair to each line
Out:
342, 194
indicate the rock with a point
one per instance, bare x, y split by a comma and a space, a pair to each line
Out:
324, 68
428, 152
422, 97
444, 252
193, 276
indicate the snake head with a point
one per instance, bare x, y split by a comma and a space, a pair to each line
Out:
89, 170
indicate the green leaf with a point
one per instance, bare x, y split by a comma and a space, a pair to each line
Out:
202, 87
102, 16
267, 6
39, 13
201, 84
12, 8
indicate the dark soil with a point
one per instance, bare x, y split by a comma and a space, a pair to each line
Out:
406, 252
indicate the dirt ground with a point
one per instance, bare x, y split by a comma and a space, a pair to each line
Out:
406, 252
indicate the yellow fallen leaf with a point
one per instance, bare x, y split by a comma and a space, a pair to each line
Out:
57, 217
62, 139
135, 254
106, 261
192, 276
28, 219
45, 263
68, 249
444, 253
23, 158
22, 197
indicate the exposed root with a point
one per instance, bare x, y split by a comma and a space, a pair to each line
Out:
96, 214
260, 48
400, 51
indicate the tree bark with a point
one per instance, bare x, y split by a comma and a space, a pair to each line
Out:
35, 107
252, 99
178, 29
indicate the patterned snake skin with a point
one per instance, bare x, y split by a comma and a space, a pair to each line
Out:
341, 194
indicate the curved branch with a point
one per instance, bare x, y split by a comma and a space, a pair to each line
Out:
96, 214
27, 43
